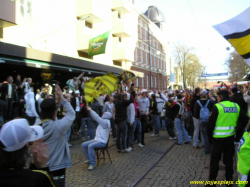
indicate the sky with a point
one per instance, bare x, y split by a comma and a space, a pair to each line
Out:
190, 22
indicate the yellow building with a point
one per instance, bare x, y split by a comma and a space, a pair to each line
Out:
54, 34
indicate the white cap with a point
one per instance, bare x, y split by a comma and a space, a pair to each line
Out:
181, 91
144, 90
17, 133
77, 92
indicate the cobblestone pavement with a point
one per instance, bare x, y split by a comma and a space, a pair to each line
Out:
179, 166
125, 169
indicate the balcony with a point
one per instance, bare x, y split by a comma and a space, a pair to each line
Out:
8, 13
93, 9
121, 27
122, 6
121, 52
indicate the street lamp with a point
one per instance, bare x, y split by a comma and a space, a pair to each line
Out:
236, 73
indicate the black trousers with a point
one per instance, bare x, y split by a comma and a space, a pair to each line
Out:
144, 123
112, 122
9, 107
59, 177
219, 146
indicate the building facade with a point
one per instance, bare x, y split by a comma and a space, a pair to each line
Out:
46, 34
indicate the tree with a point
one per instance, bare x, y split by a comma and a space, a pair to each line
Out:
189, 64
236, 62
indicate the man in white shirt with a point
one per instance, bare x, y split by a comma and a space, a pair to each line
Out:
27, 85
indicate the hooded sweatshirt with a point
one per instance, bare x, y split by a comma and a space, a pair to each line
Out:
103, 129
56, 138
30, 105
130, 111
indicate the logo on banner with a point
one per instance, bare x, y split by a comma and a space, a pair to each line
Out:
47, 74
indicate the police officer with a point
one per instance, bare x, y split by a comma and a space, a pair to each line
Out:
223, 130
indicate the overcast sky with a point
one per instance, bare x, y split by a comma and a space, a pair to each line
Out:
191, 21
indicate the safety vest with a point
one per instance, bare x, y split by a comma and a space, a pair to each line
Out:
226, 120
243, 166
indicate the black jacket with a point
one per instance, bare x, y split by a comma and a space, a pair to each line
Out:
237, 98
95, 106
73, 102
153, 107
242, 122
170, 113
192, 103
121, 109
197, 107
4, 90
84, 111
25, 177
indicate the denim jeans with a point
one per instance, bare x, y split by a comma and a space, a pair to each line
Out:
163, 123
197, 132
84, 123
68, 133
156, 123
89, 150
205, 137
121, 131
180, 128
137, 125
170, 127
91, 128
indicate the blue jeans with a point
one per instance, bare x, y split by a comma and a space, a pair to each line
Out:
163, 123
89, 150
91, 128
205, 137
68, 133
121, 131
170, 127
197, 132
84, 123
137, 125
156, 123
180, 128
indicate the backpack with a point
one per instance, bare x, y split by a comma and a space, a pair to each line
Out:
160, 105
204, 112
183, 114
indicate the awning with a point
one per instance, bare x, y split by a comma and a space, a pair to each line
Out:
21, 52
137, 73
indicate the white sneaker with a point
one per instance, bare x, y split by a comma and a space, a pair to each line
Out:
91, 167
69, 144
125, 151
83, 138
154, 135
140, 145
129, 149
174, 138
86, 162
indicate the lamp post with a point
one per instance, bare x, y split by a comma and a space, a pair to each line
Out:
236, 74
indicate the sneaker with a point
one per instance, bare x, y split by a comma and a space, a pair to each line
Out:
129, 149
187, 143
91, 167
86, 162
69, 144
174, 138
140, 145
154, 135
178, 143
83, 138
196, 147
125, 151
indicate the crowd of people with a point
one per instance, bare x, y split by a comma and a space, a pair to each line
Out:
213, 120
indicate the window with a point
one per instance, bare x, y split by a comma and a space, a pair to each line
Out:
157, 44
26, 9
136, 54
146, 58
147, 81
141, 56
142, 82
158, 62
155, 82
137, 82
152, 85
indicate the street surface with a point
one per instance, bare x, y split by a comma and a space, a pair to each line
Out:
178, 167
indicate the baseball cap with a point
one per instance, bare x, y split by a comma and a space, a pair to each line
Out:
144, 90
77, 92
203, 93
181, 91
16, 133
